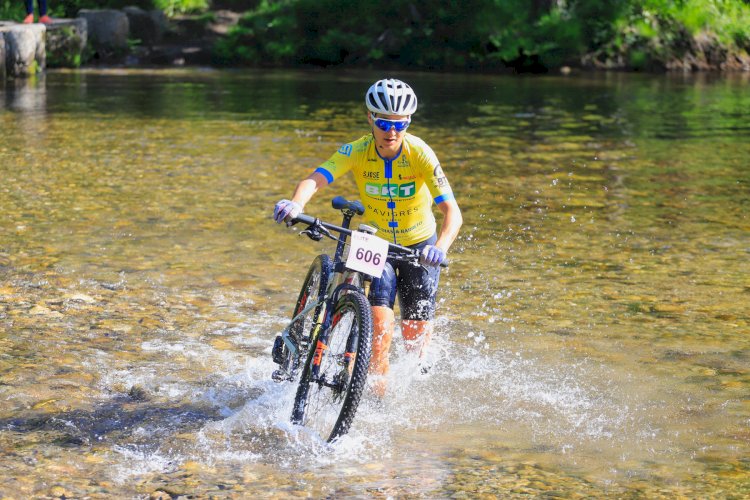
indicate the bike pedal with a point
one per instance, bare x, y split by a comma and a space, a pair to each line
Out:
425, 368
277, 353
280, 376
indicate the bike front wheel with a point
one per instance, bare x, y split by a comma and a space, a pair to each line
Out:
334, 376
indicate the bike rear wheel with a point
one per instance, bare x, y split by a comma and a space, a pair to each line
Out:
313, 288
336, 370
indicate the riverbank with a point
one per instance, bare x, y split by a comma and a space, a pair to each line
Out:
295, 35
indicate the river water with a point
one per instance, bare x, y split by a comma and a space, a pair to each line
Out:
593, 331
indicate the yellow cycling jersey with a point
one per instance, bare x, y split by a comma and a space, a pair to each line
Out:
397, 193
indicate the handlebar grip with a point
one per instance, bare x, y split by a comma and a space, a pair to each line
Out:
410, 253
303, 218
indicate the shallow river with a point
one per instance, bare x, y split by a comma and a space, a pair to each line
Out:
593, 333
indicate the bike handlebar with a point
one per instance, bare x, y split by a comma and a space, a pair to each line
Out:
394, 250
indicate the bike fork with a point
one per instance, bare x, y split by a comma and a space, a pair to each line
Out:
291, 358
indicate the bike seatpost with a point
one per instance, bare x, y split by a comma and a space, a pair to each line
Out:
339, 254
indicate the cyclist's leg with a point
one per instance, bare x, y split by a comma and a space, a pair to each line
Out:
416, 334
382, 334
382, 297
417, 290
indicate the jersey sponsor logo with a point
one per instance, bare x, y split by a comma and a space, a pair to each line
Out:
391, 190
402, 162
438, 172
371, 175
409, 212
345, 150
442, 182
406, 177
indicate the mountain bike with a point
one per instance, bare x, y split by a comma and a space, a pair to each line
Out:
328, 341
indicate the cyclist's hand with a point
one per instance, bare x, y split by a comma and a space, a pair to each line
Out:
286, 209
432, 256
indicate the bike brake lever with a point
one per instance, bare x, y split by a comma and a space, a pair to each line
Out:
316, 232
325, 232
312, 233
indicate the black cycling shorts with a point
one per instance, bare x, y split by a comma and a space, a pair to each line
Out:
416, 286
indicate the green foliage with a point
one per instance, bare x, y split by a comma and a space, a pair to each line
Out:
431, 33
447, 34
172, 7
63, 48
485, 34
70, 8
651, 33
12, 9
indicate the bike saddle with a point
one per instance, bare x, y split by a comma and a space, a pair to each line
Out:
341, 203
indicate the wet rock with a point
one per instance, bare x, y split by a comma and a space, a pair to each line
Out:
66, 42
145, 26
108, 31
138, 393
60, 492
39, 310
2, 77
79, 297
25, 51
221, 345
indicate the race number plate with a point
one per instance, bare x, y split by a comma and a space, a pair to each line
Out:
367, 254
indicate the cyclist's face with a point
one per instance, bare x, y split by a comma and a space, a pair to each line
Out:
388, 143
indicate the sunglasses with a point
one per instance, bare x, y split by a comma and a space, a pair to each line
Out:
385, 125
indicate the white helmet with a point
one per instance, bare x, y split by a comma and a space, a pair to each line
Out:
391, 97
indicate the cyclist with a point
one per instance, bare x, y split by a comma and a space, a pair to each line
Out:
399, 177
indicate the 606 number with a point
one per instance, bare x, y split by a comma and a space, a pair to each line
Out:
368, 256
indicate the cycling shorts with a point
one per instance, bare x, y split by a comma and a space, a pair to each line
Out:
416, 286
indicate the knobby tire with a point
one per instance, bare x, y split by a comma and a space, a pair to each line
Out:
314, 287
330, 411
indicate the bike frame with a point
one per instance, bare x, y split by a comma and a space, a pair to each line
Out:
342, 279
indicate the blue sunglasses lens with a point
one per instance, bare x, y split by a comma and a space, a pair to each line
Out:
385, 125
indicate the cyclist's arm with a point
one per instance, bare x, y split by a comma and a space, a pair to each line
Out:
308, 187
336, 166
452, 221
442, 193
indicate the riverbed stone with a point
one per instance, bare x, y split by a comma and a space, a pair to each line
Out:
24, 48
66, 42
108, 31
